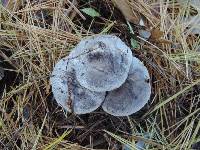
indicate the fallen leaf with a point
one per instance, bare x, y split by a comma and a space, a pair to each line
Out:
164, 41
156, 34
91, 12
192, 23
125, 8
144, 34
134, 44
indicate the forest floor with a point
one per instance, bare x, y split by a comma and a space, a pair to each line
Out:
163, 34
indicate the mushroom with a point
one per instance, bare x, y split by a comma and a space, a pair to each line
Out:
69, 93
97, 65
101, 62
132, 95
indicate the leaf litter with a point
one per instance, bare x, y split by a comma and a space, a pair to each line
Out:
39, 42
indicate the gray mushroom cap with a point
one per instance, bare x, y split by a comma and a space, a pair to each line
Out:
132, 95
101, 62
69, 93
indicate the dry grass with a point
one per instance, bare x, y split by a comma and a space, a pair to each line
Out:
34, 36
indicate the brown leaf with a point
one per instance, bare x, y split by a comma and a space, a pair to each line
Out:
156, 34
125, 8
164, 41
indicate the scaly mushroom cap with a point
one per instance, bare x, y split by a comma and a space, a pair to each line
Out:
132, 95
69, 93
101, 62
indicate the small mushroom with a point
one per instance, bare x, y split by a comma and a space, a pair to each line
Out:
101, 62
69, 93
132, 95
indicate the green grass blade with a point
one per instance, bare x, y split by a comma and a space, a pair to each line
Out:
58, 140
174, 96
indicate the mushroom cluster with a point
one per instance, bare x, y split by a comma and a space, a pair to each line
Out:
101, 71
